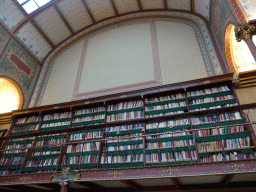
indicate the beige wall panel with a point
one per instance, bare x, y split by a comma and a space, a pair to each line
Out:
179, 53
61, 82
118, 57
245, 96
5, 126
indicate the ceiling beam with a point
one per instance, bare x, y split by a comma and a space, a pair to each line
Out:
227, 178
140, 4
192, 6
47, 39
114, 7
32, 15
89, 11
165, 4
34, 25
132, 184
94, 186
176, 182
64, 19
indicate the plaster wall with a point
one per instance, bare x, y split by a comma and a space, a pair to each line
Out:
123, 57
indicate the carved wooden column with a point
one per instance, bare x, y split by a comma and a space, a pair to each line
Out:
245, 33
64, 177
64, 187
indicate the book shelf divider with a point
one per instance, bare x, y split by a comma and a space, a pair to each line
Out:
144, 131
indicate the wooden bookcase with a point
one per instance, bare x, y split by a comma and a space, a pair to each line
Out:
171, 125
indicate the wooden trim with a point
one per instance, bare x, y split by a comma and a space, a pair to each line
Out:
47, 39
89, 11
165, 4
64, 19
114, 7
192, 6
140, 5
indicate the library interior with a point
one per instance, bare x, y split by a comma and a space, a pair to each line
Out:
127, 95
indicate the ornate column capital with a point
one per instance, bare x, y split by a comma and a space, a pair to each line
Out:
244, 32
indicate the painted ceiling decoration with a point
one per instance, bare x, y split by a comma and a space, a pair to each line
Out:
51, 25
54, 23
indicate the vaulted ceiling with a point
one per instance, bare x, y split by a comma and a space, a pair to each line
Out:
47, 28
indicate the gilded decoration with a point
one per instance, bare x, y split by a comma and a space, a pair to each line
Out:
65, 176
244, 32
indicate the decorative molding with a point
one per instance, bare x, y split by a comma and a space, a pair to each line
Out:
65, 176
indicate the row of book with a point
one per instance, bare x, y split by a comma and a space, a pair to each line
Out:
163, 114
216, 118
165, 106
41, 153
224, 144
122, 158
9, 172
17, 146
221, 131
131, 137
210, 99
125, 116
26, 128
57, 116
76, 148
208, 91
213, 107
172, 123
87, 135
28, 119
178, 143
42, 162
88, 118
125, 105
80, 159
124, 127
227, 157
22, 139
89, 110
51, 142
57, 124
11, 160
171, 156
125, 147
170, 134
165, 98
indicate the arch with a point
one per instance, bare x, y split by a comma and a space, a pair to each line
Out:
228, 48
239, 56
11, 97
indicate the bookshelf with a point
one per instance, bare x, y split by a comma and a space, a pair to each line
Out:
55, 121
157, 128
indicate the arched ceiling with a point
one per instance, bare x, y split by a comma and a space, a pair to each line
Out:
60, 20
